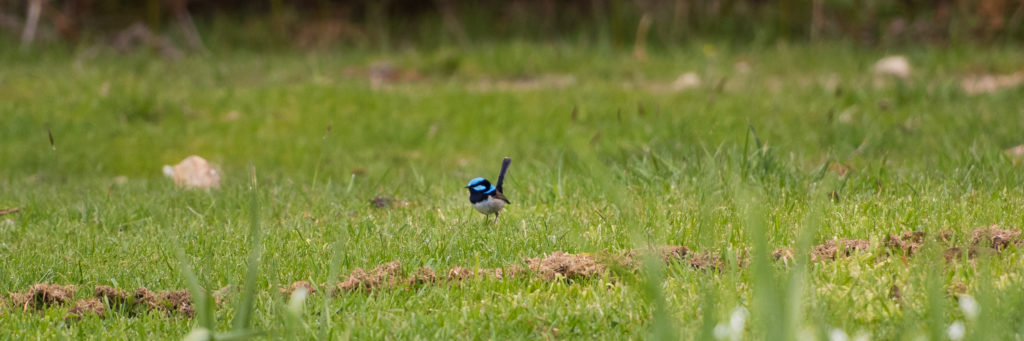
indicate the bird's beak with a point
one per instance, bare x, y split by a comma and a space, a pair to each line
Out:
467, 186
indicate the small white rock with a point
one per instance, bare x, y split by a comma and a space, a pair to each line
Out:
685, 81
896, 66
193, 172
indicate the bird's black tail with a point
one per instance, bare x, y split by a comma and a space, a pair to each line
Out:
504, 168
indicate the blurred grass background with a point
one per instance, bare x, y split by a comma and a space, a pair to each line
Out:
608, 155
395, 24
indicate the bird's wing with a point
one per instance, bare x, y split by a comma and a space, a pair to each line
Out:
499, 196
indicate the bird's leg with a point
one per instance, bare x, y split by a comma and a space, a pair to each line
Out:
486, 218
495, 217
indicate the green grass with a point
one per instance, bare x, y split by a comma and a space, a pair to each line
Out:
635, 167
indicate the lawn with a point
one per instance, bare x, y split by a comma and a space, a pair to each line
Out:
781, 146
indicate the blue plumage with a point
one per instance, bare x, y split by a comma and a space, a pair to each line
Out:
475, 181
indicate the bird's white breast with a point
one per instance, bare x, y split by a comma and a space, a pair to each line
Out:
489, 206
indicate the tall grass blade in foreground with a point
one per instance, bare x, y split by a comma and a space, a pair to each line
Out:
325, 324
662, 328
246, 305
200, 300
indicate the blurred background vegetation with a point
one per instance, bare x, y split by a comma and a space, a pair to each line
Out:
172, 25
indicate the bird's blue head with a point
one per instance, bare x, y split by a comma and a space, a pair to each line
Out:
480, 185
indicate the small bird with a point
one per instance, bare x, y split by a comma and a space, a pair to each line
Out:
486, 198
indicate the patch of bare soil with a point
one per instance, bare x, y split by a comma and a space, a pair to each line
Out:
994, 237
288, 290
838, 248
42, 295
565, 265
383, 276
907, 242
7, 211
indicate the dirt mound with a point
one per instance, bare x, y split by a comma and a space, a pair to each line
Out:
114, 297
388, 202
459, 273
288, 290
956, 289
383, 276
837, 248
944, 236
177, 301
784, 254
143, 299
423, 276
220, 296
565, 265
40, 296
706, 261
668, 254
994, 237
908, 242
92, 306
954, 253
503, 273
